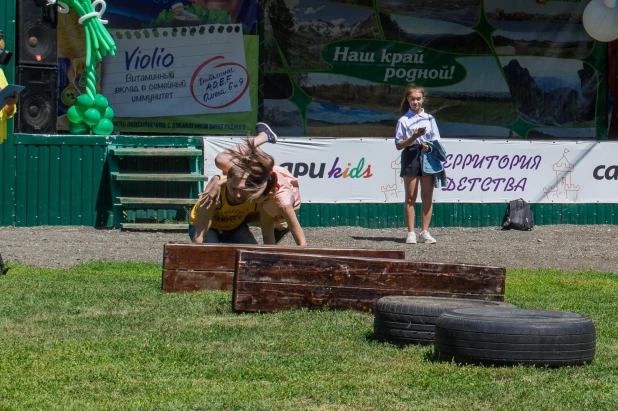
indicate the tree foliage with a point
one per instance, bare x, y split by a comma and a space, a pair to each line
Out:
283, 24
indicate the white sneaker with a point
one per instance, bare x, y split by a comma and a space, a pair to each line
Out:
411, 238
425, 237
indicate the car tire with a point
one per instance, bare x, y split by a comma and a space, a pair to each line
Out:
515, 336
412, 319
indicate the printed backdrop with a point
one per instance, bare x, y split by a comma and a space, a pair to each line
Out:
182, 67
492, 68
356, 170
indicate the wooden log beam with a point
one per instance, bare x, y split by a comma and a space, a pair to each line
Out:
278, 281
198, 267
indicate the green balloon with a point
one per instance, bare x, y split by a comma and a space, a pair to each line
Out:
84, 100
79, 128
92, 116
100, 102
74, 115
103, 127
109, 113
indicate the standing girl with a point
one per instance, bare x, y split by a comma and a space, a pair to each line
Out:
414, 129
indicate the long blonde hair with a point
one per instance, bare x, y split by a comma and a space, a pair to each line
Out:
405, 104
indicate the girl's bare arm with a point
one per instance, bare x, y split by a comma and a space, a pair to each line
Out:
204, 218
268, 227
294, 225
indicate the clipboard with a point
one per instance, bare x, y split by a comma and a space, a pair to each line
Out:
9, 91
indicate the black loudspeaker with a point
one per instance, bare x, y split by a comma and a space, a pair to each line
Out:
37, 38
37, 107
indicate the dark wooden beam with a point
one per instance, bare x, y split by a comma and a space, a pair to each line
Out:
198, 267
278, 281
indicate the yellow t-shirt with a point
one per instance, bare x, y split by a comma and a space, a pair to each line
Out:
226, 217
4, 112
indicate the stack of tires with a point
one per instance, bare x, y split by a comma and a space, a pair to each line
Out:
486, 332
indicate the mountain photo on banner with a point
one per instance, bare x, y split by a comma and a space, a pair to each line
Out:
433, 34
491, 69
464, 12
554, 29
299, 34
556, 93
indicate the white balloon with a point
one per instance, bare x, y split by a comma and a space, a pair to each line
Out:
600, 21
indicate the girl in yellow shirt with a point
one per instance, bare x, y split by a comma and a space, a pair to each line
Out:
8, 105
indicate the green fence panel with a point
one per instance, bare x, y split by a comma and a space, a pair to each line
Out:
593, 212
59, 185
76, 176
354, 211
54, 186
32, 187
484, 214
608, 211
333, 215
324, 220
344, 214
392, 215
363, 215
21, 182
68, 184
87, 184
65, 185
100, 196
43, 180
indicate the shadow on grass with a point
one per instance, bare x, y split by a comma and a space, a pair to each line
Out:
429, 354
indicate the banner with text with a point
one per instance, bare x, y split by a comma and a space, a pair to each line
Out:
187, 67
491, 68
171, 75
478, 171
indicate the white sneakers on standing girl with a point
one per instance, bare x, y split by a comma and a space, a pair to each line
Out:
411, 238
425, 237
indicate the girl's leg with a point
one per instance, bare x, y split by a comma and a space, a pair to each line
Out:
212, 237
411, 193
427, 199
239, 235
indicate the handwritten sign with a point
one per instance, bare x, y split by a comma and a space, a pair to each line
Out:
218, 84
184, 71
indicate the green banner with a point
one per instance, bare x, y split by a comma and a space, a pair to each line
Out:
491, 68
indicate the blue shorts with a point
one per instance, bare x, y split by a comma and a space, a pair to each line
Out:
239, 235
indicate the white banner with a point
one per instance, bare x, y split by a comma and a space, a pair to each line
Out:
161, 72
478, 171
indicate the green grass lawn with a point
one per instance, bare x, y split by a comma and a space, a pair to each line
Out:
102, 336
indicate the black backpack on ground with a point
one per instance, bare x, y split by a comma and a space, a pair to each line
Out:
518, 216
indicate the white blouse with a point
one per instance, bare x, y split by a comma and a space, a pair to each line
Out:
411, 121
